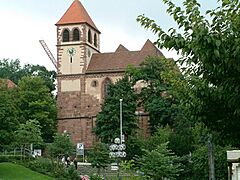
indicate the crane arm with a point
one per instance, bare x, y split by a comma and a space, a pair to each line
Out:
50, 55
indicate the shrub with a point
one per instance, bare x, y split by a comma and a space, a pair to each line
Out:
41, 165
10, 158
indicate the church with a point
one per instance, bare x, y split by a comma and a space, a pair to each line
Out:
84, 73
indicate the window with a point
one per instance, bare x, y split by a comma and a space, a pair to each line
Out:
65, 35
76, 35
94, 83
106, 87
95, 40
89, 36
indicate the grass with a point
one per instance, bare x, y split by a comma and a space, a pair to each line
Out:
10, 171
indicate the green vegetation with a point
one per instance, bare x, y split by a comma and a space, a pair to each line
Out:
30, 100
108, 118
185, 105
9, 171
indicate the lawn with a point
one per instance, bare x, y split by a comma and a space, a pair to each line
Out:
10, 171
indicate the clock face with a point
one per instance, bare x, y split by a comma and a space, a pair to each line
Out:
71, 51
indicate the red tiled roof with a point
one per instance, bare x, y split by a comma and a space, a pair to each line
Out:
119, 60
76, 13
8, 83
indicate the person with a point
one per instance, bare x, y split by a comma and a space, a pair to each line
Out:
68, 161
75, 162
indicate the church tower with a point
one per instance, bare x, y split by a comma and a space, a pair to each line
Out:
77, 40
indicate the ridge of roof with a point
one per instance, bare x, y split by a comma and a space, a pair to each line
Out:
119, 60
121, 48
76, 13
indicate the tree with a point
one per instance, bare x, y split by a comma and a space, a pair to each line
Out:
12, 69
9, 115
62, 145
36, 102
160, 76
108, 120
28, 133
160, 163
210, 51
99, 156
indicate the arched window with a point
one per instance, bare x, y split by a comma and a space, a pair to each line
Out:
65, 35
76, 35
89, 36
95, 40
106, 87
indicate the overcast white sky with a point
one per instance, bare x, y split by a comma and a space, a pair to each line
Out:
25, 22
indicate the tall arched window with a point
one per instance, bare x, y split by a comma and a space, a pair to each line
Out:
106, 87
89, 36
95, 40
76, 35
65, 35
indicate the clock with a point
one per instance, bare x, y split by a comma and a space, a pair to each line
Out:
71, 51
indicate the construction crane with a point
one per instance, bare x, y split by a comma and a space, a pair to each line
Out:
50, 55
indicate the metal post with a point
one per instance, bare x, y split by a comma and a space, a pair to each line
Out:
211, 158
121, 133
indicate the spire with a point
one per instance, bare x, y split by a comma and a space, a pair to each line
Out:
76, 13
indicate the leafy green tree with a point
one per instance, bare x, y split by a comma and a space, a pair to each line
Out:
36, 102
160, 163
62, 145
108, 120
157, 97
99, 156
9, 115
210, 51
12, 69
28, 133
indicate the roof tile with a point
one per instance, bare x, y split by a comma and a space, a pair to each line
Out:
76, 13
119, 60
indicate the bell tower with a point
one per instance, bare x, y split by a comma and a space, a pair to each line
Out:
77, 40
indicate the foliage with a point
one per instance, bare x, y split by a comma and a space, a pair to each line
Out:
96, 177
200, 162
159, 76
71, 173
210, 51
160, 137
134, 146
35, 102
9, 116
14, 171
108, 120
160, 163
11, 69
28, 133
99, 156
41, 165
62, 145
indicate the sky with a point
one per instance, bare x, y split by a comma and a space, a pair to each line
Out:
25, 22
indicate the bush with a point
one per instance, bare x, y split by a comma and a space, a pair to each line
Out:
96, 177
71, 173
10, 158
41, 165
